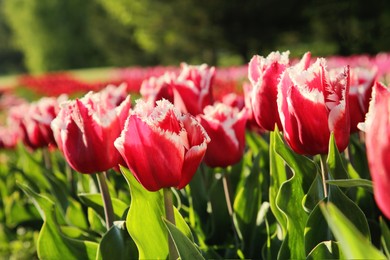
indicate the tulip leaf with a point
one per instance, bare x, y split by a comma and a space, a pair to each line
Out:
94, 200
74, 214
349, 183
76, 233
326, 250
117, 243
96, 222
335, 162
52, 244
385, 237
144, 220
317, 230
290, 198
18, 210
278, 175
352, 243
315, 194
185, 247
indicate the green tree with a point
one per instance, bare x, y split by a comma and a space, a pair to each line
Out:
52, 34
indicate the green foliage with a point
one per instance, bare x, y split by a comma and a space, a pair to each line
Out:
53, 35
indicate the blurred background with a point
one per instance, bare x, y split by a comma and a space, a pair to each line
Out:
51, 35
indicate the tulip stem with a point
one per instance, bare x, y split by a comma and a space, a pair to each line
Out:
46, 158
324, 172
226, 189
108, 210
170, 215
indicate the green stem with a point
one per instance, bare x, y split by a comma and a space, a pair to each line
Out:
108, 210
324, 172
226, 189
170, 215
46, 158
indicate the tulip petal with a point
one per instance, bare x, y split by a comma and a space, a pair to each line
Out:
198, 143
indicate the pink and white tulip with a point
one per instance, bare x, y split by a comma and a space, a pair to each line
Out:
85, 130
161, 146
311, 105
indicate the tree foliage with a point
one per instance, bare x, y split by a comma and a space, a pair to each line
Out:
59, 34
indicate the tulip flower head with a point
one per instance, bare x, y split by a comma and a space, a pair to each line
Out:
156, 88
377, 127
193, 88
361, 83
226, 127
312, 104
264, 74
161, 146
32, 121
85, 130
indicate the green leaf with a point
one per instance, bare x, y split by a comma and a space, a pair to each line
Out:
317, 229
353, 244
74, 214
52, 244
349, 183
18, 209
144, 220
315, 194
96, 222
326, 250
117, 244
335, 162
94, 200
290, 198
385, 236
185, 247
76, 233
278, 176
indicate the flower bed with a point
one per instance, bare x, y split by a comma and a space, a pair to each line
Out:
278, 159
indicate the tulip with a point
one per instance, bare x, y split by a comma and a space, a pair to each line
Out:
156, 88
311, 105
177, 142
85, 130
193, 88
33, 121
8, 137
264, 74
226, 127
378, 148
361, 82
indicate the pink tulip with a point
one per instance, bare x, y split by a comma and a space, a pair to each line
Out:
162, 147
33, 121
193, 88
8, 137
264, 74
361, 82
226, 127
378, 146
312, 104
85, 130
156, 88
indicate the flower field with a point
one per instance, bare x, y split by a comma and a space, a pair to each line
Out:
279, 159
